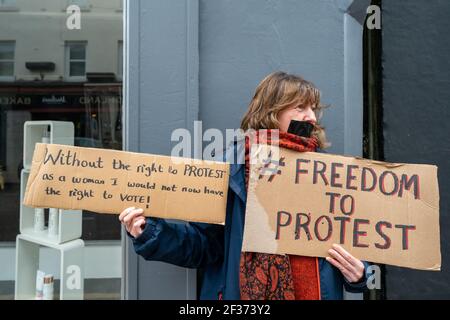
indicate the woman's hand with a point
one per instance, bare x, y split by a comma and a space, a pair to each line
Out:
351, 268
133, 220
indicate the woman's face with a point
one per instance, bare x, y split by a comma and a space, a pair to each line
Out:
297, 112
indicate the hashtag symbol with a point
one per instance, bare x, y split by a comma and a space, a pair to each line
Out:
273, 171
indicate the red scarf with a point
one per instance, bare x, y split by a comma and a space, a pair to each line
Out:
278, 277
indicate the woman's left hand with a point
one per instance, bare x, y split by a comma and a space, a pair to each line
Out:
351, 268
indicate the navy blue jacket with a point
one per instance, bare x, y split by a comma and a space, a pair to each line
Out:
216, 249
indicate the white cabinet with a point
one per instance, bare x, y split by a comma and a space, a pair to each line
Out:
60, 132
66, 240
69, 226
71, 275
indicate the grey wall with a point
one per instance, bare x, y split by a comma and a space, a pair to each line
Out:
161, 95
243, 41
190, 59
416, 107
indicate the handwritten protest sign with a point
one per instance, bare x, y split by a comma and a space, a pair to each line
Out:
108, 181
302, 203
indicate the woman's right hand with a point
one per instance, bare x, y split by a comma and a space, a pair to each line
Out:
133, 220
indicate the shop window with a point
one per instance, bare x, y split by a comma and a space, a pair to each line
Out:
69, 91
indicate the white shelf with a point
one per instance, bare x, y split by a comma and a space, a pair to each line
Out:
66, 241
70, 221
71, 285
61, 132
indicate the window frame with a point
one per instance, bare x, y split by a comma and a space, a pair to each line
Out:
120, 60
11, 5
67, 48
9, 77
84, 6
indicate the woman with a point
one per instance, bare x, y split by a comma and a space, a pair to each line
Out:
280, 100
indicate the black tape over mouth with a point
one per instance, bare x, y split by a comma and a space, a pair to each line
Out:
301, 128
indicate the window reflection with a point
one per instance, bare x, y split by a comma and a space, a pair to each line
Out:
51, 72
76, 59
7, 59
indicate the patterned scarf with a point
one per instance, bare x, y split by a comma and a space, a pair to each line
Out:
278, 277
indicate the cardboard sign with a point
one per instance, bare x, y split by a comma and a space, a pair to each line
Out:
302, 203
108, 181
